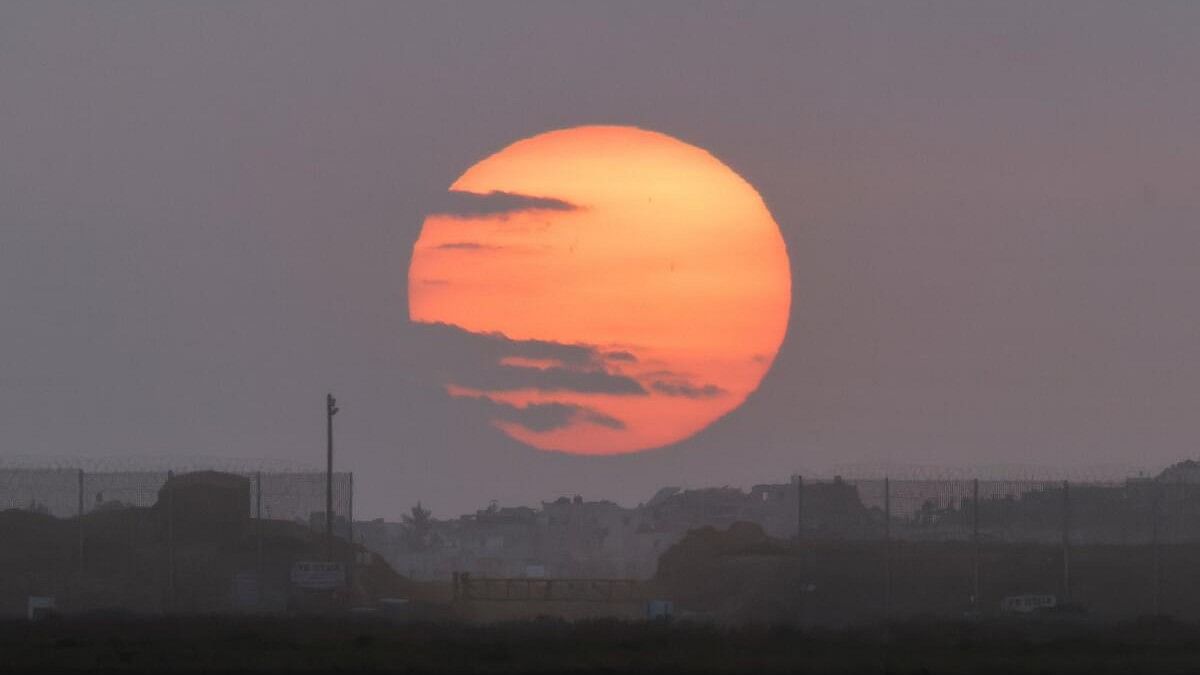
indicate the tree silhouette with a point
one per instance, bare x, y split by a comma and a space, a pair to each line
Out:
418, 528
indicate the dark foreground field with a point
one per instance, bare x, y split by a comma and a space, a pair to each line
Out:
111, 644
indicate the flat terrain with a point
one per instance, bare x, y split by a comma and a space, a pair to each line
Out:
125, 644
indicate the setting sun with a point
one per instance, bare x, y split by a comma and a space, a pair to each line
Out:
634, 288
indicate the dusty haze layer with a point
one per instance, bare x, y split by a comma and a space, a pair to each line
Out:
991, 213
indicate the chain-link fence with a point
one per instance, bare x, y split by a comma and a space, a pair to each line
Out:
161, 540
1134, 511
65, 493
1118, 548
867, 546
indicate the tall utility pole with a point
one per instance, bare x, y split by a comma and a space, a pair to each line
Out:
331, 409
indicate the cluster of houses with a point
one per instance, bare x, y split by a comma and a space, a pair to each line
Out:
578, 538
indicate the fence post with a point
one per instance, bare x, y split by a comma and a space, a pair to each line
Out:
1156, 579
1066, 540
258, 542
975, 599
80, 528
170, 541
350, 536
799, 508
887, 548
135, 518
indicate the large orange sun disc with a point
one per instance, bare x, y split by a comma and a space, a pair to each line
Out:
612, 289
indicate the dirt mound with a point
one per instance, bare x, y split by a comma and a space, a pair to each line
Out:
720, 572
708, 542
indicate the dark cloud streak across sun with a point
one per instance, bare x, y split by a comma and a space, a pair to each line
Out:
474, 361
461, 204
463, 344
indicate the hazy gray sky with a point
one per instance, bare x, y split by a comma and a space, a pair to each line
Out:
992, 212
